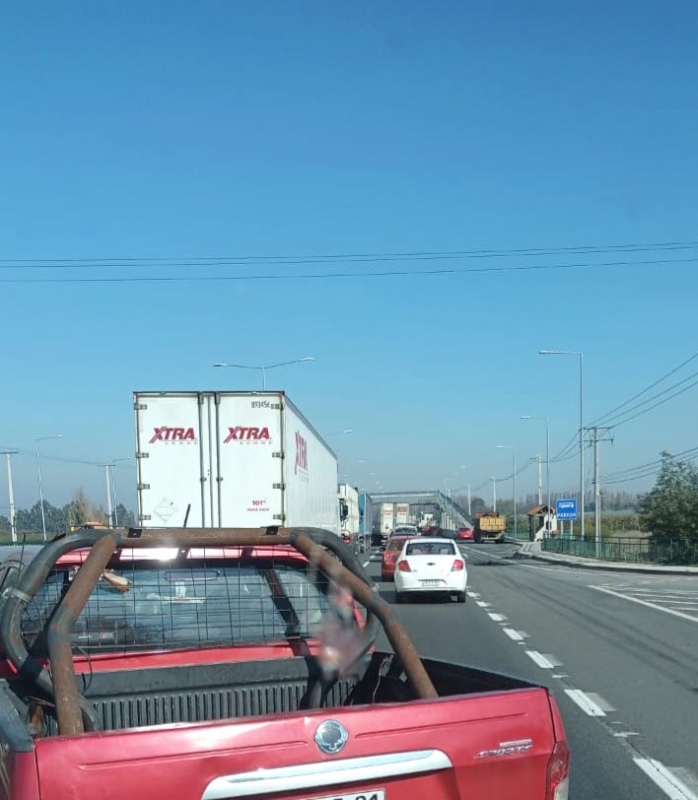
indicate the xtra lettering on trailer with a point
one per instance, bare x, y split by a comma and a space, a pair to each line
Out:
248, 435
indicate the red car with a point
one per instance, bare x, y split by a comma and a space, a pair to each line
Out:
465, 534
391, 555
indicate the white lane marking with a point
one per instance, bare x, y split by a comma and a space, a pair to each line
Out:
482, 604
585, 702
544, 662
625, 734
366, 563
561, 675
512, 634
646, 603
474, 595
665, 780
497, 617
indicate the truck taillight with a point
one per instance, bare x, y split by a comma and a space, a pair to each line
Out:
559, 773
458, 565
404, 566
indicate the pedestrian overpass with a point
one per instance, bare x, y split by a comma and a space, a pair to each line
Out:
452, 514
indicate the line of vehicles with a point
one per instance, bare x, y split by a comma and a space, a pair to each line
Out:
234, 652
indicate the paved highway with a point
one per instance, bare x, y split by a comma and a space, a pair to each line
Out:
620, 653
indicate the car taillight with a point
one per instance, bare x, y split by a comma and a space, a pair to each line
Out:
559, 773
458, 565
403, 566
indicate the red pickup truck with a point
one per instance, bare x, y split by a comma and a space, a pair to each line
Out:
204, 664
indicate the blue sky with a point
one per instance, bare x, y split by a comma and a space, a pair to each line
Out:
173, 129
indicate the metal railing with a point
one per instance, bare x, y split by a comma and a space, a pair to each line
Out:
627, 549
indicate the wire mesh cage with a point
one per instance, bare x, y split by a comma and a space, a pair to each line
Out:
197, 598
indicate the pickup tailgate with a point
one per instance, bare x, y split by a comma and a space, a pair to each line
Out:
483, 746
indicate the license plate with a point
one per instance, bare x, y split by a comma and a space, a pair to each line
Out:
430, 583
371, 794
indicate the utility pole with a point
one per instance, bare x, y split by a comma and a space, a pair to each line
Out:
596, 438
469, 511
10, 488
494, 493
540, 478
107, 471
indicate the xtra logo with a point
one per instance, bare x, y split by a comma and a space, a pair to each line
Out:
165, 434
301, 454
247, 435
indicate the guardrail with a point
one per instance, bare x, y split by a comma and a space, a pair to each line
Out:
626, 549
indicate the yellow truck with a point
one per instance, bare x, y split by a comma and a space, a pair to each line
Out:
490, 526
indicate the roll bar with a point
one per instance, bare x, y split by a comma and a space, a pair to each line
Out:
74, 713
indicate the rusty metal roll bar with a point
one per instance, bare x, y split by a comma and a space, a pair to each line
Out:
74, 713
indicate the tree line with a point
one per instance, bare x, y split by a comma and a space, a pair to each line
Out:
611, 501
59, 519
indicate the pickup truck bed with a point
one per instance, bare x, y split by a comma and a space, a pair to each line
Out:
225, 691
255, 711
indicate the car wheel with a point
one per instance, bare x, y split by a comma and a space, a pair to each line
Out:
460, 597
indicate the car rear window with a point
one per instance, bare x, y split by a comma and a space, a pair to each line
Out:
431, 549
188, 605
396, 544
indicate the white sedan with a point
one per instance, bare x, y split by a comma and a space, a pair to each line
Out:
428, 565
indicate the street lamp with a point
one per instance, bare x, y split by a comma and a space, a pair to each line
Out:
38, 476
547, 462
516, 512
338, 433
264, 367
112, 516
579, 355
11, 494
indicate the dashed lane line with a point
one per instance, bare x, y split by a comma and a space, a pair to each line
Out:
585, 702
662, 776
497, 617
544, 662
512, 634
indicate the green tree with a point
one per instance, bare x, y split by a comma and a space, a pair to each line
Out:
80, 510
125, 517
670, 510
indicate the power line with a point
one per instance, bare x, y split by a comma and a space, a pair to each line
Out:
691, 452
345, 275
646, 389
656, 405
653, 398
246, 260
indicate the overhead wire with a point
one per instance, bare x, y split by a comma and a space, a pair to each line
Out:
646, 389
348, 275
220, 260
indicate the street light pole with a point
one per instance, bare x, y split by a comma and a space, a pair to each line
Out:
469, 511
548, 526
10, 490
494, 493
580, 355
516, 515
264, 367
38, 476
107, 472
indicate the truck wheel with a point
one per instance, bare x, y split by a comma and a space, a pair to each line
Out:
460, 597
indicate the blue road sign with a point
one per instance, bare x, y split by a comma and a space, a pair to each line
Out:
566, 509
